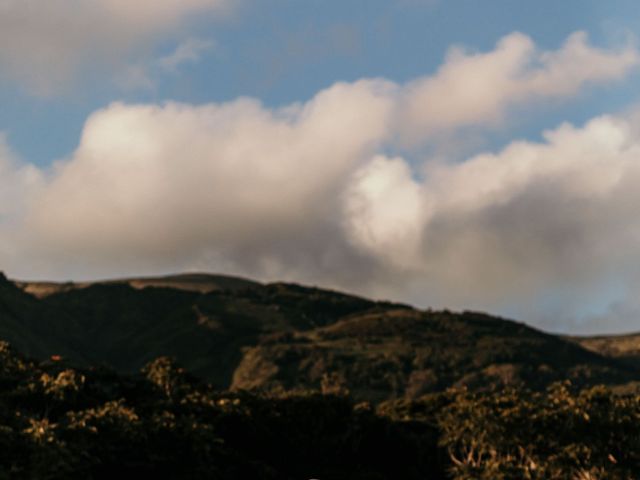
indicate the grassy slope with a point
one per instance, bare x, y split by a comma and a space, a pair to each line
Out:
625, 348
408, 353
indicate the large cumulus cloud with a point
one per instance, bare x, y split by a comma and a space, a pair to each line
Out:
534, 223
238, 181
330, 191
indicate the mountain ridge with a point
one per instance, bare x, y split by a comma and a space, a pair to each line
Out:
241, 334
202, 282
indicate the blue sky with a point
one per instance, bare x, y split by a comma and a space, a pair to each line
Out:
345, 144
285, 51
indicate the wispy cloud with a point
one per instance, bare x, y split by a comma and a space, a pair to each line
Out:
189, 51
144, 76
135, 77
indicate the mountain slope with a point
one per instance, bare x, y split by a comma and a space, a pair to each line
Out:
125, 327
407, 353
625, 348
245, 335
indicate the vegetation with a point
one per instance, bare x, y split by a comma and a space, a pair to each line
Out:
561, 433
60, 422
286, 382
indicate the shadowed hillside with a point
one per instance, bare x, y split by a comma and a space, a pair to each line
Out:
124, 327
241, 334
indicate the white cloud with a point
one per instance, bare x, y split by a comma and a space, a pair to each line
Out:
216, 179
43, 43
386, 208
313, 191
473, 88
18, 184
503, 229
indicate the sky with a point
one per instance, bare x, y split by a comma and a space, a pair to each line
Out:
449, 154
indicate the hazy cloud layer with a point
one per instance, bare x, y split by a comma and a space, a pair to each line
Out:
43, 43
311, 192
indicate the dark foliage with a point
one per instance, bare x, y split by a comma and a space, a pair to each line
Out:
59, 422
62, 422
